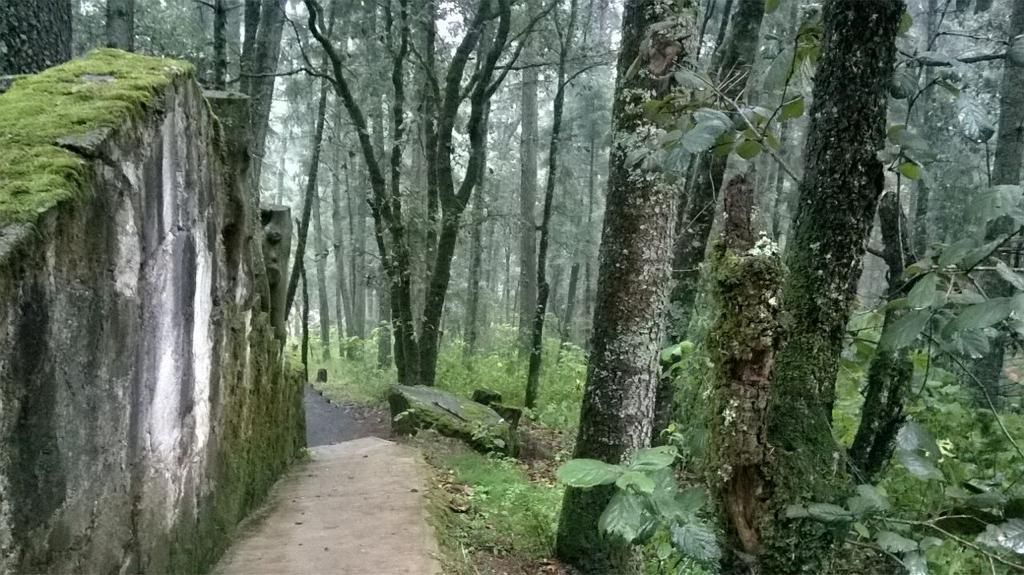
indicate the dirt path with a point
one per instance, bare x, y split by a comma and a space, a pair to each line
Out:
356, 508
328, 423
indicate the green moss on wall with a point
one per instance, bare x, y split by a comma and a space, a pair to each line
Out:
105, 89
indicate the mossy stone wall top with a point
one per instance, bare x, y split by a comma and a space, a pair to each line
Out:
104, 90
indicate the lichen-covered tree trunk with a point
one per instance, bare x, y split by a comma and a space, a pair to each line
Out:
700, 195
838, 196
747, 277
120, 24
891, 371
1006, 170
633, 281
34, 35
220, 44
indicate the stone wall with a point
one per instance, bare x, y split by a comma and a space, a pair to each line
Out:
145, 406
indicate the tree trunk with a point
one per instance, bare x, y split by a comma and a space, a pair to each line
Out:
838, 197
261, 88
304, 349
343, 297
384, 324
543, 289
234, 34
528, 288
891, 371
1006, 170
742, 344
220, 44
320, 257
247, 60
36, 35
310, 196
120, 25
633, 283
476, 253
568, 319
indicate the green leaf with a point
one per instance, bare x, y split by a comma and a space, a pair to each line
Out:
748, 149
702, 136
792, 109
1011, 277
696, 540
1009, 535
927, 543
924, 293
653, 458
861, 530
771, 6
954, 253
910, 170
691, 500
868, 498
796, 512
894, 542
915, 563
828, 512
919, 466
996, 202
904, 331
982, 315
979, 254
626, 517
588, 473
641, 482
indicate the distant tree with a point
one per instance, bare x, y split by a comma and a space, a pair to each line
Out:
120, 24
34, 35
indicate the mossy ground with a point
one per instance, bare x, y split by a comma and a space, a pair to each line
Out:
105, 89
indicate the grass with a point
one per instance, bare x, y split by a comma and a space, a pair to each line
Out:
490, 516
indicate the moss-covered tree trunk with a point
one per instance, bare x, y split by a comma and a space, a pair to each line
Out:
838, 196
633, 280
747, 277
34, 35
890, 372
1006, 170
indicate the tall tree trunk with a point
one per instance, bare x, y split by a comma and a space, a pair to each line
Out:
1006, 170
528, 288
633, 283
357, 208
261, 88
543, 289
891, 371
320, 257
838, 197
247, 59
233, 47
342, 295
476, 252
309, 197
120, 24
304, 349
36, 35
220, 44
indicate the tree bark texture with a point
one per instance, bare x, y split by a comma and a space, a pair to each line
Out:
527, 207
838, 196
34, 35
742, 344
320, 257
261, 88
633, 283
220, 44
